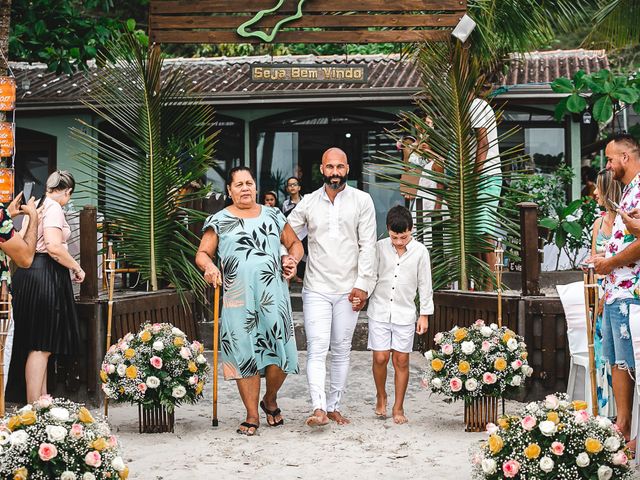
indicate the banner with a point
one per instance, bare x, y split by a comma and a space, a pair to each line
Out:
7, 141
6, 185
7, 93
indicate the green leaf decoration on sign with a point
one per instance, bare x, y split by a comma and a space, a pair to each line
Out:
243, 32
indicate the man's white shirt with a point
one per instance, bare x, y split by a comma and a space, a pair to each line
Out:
341, 236
398, 279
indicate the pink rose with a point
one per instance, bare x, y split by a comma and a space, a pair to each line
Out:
455, 384
489, 378
142, 387
76, 431
516, 364
156, 362
47, 451
486, 346
581, 416
492, 428
557, 448
619, 458
528, 423
156, 327
510, 468
447, 349
185, 353
93, 459
44, 401
479, 323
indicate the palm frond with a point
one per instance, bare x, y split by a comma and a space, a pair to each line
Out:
615, 24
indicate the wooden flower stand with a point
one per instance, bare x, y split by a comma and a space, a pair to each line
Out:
155, 420
479, 411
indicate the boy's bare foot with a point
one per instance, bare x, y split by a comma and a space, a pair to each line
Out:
381, 406
338, 418
399, 417
318, 419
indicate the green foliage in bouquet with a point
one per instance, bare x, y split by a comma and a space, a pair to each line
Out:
553, 439
158, 366
480, 360
58, 439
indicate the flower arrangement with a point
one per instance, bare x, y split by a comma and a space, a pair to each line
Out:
553, 439
57, 438
475, 361
156, 367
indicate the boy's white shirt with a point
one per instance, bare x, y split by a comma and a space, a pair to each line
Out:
398, 278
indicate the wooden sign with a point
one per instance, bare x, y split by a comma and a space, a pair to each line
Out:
7, 140
286, 73
7, 94
303, 21
6, 184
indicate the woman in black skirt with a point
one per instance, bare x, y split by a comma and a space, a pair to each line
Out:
43, 302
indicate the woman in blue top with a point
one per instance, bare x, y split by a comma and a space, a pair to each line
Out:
256, 334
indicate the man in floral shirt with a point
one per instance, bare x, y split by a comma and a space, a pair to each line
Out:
621, 265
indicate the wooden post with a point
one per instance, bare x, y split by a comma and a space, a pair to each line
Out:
529, 249
89, 252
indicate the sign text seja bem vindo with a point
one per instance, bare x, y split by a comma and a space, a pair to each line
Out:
309, 73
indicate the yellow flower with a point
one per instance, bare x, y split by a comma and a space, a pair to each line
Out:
503, 422
495, 443
145, 336
20, 474
131, 371
506, 337
121, 390
124, 473
85, 416
13, 423
201, 348
592, 445
199, 388
553, 417
580, 404
99, 444
193, 368
532, 451
28, 417
103, 376
524, 355
437, 364
178, 341
500, 364
464, 367
129, 353
460, 334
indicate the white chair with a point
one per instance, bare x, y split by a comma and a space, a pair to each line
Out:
579, 382
634, 326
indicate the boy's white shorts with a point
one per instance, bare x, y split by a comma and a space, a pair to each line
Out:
389, 336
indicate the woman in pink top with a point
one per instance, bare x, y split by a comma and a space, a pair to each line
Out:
43, 299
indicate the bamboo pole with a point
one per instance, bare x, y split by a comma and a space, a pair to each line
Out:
216, 316
5, 324
111, 270
499, 266
591, 301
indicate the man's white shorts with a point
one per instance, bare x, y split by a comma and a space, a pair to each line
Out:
389, 336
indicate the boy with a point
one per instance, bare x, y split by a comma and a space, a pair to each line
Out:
403, 269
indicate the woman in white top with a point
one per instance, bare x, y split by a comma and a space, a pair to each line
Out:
43, 299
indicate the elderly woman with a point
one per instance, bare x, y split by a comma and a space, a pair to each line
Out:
257, 337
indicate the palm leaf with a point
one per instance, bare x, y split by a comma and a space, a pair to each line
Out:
615, 24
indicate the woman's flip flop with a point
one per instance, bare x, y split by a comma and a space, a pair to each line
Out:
248, 426
273, 414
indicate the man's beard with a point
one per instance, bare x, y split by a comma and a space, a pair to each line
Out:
334, 186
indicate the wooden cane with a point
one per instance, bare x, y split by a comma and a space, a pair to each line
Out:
216, 315
591, 294
499, 251
111, 271
5, 324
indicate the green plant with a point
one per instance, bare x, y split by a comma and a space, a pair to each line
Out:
157, 146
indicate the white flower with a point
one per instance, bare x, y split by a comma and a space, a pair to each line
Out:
551, 402
118, 464
438, 338
185, 353
546, 464
117, 358
471, 384
158, 345
516, 364
193, 379
179, 391
200, 359
177, 332
56, 433
59, 413
489, 466
619, 458
528, 371
532, 407
603, 422
605, 473
516, 381
19, 438
494, 326
492, 428
153, 382
4, 437
564, 404
27, 408
122, 369
88, 476
436, 383
108, 391
428, 355
486, 331
512, 344
612, 444
468, 347
582, 460
68, 476
548, 428
111, 369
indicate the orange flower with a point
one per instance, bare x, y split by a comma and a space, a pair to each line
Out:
592, 445
500, 364
103, 376
99, 444
13, 423
495, 443
131, 371
464, 367
124, 473
524, 355
553, 417
85, 416
503, 422
532, 451
460, 334
437, 364
506, 337
193, 368
21, 474
145, 336
579, 405
129, 353
28, 417
199, 388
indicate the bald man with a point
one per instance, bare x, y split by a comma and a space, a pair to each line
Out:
341, 225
